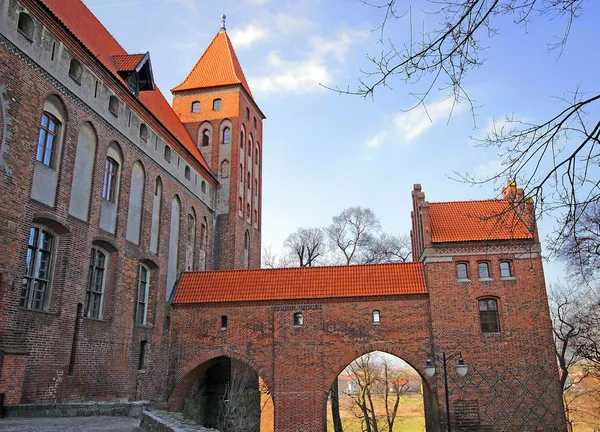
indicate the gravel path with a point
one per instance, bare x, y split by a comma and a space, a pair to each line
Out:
70, 424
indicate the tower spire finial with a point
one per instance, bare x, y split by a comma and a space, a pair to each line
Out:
223, 17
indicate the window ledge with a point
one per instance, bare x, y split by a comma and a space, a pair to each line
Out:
507, 278
30, 39
223, 329
99, 320
143, 326
463, 280
493, 335
75, 79
45, 312
486, 279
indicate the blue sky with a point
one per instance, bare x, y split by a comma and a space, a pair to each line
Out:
323, 152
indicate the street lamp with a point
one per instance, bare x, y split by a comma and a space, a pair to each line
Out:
461, 370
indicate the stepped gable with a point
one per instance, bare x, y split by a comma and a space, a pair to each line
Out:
86, 28
217, 67
463, 221
301, 283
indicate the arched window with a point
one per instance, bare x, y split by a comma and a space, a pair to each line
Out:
254, 122
187, 172
256, 154
113, 105
143, 132
242, 140
81, 185
48, 140
172, 263
226, 135
255, 187
94, 296
249, 181
225, 168
248, 210
167, 154
203, 233
216, 104
203, 186
195, 106
376, 317
75, 70
191, 241
247, 114
484, 270
461, 271
298, 319
141, 296
488, 315
25, 25
205, 138
111, 169
38, 269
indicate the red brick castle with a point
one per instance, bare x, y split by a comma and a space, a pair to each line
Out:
131, 233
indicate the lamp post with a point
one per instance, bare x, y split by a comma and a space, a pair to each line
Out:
461, 370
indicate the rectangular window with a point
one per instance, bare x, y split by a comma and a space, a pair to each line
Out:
488, 316
110, 179
505, 269
38, 269
484, 270
47, 141
461, 271
141, 298
95, 288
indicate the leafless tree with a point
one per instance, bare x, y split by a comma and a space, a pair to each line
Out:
352, 232
388, 248
554, 160
375, 378
307, 245
575, 315
272, 260
236, 410
581, 248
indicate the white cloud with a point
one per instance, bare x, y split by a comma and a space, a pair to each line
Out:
413, 123
247, 36
304, 76
488, 169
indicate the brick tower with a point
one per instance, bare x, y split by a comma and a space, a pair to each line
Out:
216, 106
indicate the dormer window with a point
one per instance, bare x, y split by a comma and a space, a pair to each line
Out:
136, 71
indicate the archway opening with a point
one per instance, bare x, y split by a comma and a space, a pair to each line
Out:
377, 392
228, 395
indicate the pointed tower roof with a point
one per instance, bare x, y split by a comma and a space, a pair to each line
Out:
218, 66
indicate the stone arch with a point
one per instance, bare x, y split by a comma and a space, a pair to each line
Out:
226, 123
192, 369
415, 359
205, 126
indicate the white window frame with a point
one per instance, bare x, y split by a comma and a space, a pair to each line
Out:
92, 276
139, 281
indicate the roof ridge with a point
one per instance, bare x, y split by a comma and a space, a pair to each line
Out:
303, 268
469, 201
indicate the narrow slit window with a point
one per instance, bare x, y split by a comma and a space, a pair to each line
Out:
223, 322
376, 317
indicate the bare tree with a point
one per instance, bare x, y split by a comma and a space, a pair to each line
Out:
238, 404
272, 260
374, 378
307, 245
388, 248
575, 316
553, 160
352, 232
581, 247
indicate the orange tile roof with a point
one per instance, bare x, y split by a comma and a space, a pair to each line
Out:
82, 23
301, 283
127, 62
475, 221
218, 66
